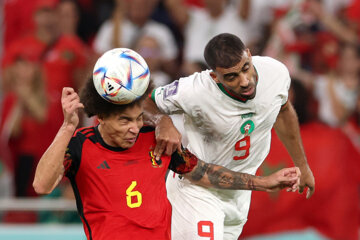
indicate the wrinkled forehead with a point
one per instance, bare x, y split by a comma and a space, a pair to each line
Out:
131, 111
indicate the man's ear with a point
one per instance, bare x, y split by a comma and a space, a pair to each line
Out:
100, 119
214, 76
248, 52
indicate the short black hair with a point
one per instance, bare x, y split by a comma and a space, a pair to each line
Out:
224, 50
94, 104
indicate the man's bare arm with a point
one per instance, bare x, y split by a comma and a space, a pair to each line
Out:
215, 176
50, 168
168, 138
287, 129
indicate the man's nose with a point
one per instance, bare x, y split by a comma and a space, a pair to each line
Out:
244, 82
134, 127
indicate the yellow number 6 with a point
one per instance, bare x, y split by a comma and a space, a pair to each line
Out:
131, 193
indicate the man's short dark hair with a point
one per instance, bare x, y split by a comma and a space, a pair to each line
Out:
94, 104
224, 50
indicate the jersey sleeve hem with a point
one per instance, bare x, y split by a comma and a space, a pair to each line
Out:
183, 162
152, 96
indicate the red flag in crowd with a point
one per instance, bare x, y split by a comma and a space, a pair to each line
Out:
334, 208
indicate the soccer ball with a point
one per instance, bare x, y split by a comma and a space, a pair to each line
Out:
121, 76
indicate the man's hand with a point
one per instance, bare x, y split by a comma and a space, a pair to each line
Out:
285, 178
168, 138
307, 180
70, 103
288, 130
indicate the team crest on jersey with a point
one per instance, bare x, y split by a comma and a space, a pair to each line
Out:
155, 163
247, 127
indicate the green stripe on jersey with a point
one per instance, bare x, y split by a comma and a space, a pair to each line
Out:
153, 95
222, 88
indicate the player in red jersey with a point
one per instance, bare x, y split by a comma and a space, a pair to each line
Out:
119, 185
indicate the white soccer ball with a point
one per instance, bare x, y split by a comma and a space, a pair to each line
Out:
121, 76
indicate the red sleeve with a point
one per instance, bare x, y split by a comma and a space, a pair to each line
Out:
73, 152
183, 162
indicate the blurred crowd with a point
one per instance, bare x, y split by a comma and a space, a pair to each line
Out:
48, 44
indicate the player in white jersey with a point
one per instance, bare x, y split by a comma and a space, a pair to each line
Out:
229, 112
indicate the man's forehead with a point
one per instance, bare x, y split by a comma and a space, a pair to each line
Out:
130, 112
238, 66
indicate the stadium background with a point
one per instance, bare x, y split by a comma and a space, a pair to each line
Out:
317, 40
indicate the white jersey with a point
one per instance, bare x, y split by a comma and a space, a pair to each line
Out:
226, 131
215, 123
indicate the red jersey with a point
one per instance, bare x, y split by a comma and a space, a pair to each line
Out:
120, 193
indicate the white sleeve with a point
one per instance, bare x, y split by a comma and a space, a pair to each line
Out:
175, 97
285, 75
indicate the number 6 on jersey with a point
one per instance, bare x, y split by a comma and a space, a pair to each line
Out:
130, 193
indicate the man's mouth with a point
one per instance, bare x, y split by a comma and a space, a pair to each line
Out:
131, 140
248, 92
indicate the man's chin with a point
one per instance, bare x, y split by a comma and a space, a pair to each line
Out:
249, 97
128, 145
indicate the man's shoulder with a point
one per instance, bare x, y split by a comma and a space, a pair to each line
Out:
189, 82
268, 63
147, 134
266, 60
84, 131
197, 77
196, 83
